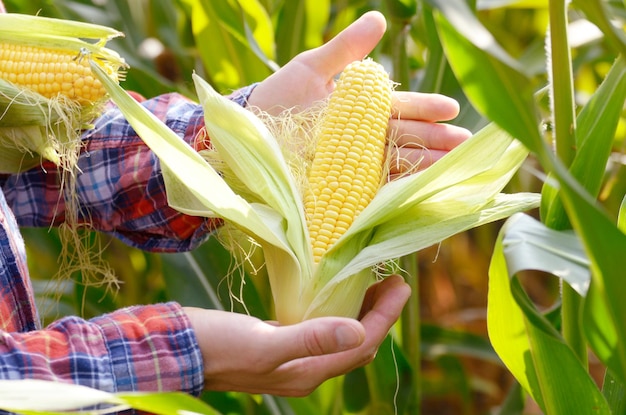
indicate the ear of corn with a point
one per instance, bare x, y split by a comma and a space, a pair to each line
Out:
46, 82
51, 72
348, 165
457, 193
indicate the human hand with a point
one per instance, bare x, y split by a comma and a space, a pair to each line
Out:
414, 125
242, 353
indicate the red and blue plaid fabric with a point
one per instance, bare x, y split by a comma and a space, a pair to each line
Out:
121, 192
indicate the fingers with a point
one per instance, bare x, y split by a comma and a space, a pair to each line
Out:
424, 106
416, 145
353, 43
420, 134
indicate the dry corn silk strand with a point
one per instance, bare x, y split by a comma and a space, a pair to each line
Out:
48, 96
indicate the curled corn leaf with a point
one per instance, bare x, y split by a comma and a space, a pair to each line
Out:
459, 192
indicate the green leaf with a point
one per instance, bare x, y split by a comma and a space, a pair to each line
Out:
17, 396
300, 26
530, 245
493, 82
437, 340
532, 349
220, 25
595, 132
598, 13
615, 393
168, 403
604, 309
386, 393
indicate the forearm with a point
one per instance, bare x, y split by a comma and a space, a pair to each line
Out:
119, 184
145, 348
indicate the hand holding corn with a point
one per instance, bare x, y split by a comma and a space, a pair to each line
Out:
293, 360
309, 78
321, 241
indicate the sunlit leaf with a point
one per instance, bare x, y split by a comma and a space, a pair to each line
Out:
300, 27
41, 395
491, 79
532, 349
167, 403
220, 25
598, 13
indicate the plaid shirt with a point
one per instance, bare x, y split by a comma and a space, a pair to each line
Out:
141, 348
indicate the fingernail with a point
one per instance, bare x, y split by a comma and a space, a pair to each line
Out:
347, 337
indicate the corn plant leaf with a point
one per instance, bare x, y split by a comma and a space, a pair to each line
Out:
530, 245
301, 26
490, 78
604, 308
41, 395
615, 393
621, 218
220, 24
598, 12
532, 349
595, 131
167, 403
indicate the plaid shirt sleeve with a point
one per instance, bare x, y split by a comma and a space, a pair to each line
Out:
119, 184
142, 348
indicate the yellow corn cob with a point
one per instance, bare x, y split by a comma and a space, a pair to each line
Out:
53, 72
347, 167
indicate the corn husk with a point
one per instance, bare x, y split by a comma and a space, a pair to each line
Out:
459, 192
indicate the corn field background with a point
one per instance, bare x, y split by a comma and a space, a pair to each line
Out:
473, 339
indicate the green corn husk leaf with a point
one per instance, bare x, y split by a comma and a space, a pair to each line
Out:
59, 33
458, 192
23, 148
33, 396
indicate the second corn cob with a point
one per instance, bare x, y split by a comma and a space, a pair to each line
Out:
52, 72
47, 85
347, 168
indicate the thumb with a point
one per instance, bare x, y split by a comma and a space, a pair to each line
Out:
320, 336
353, 43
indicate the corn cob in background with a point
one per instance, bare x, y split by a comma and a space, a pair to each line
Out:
48, 92
260, 197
